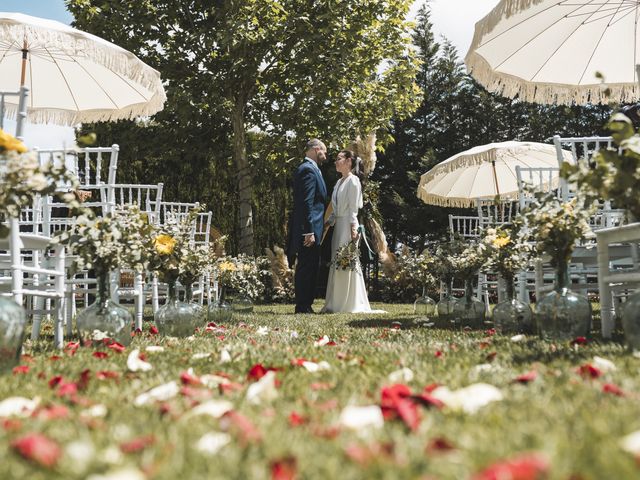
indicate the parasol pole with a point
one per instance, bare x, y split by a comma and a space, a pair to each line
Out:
25, 52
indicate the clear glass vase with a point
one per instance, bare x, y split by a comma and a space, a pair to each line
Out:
468, 311
175, 318
631, 321
104, 318
446, 304
199, 310
12, 328
220, 311
563, 314
512, 315
424, 306
242, 305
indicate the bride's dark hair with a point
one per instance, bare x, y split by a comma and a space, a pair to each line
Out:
356, 164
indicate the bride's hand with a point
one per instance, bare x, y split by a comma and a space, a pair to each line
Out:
354, 234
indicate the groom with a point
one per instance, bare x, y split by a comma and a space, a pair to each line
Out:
306, 223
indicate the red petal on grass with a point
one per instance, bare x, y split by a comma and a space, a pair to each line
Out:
116, 347
11, 425
295, 419
408, 412
284, 469
491, 356
613, 389
20, 369
438, 354
258, 371
440, 445
396, 402
431, 387
328, 433
490, 332
365, 454
71, 347
55, 358
297, 362
26, 358
245, 428
38, 448
484, 344
67, 390
229, 387
195, 393
153, 330
321, 386
579, 341
428, 400
55, 381
106, 374
526, 377
137, 444
188, 379
51, 412
83, 381
100, 355
523, 467
589, 371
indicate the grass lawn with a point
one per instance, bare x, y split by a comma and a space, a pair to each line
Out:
568, 418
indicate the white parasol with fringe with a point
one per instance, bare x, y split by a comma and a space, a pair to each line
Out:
484, 173
548, 51
73, 76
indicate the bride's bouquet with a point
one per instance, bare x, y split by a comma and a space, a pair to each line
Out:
348, 257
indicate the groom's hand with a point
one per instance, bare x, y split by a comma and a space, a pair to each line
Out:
309, 240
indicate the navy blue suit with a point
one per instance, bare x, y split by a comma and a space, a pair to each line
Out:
309, 199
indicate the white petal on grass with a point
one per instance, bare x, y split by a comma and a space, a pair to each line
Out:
18, 406
322, 342
200, 356
263, 331
211, 443
264, 390
95, 411
631, 443
225, 356
81, 454
136, 364
154, 349
213, 381
294, 334
356, 418
213, 408
159, 393
404, 375
99, 335
316, 367
123, 474
603, 364
518, 338
469, 399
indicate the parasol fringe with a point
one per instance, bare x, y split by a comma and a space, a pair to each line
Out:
112, 57
547, 93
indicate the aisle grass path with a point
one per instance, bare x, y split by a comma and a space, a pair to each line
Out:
563, 416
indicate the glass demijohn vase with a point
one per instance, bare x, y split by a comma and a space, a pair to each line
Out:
424, 306
563, 314
198, 309
512, 315
242, 305
104, 318
446, 303
631, 321
468, 310
12, 326
219, 310
176, 318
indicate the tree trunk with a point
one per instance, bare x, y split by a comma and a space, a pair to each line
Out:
245, 179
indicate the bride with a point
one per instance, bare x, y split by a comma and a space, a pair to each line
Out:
346, 291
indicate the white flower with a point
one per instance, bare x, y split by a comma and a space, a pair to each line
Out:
154, 349
322, 342
631, 443
263, 390
357, 418
263, 331
95, 411
37, 182
18, 406
211, 443
136, 364
404, 375
469, 399
213, 408
159, 393
200, 356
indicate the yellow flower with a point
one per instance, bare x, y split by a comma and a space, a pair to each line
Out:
501, 242
227, 267
164, 244
10, 143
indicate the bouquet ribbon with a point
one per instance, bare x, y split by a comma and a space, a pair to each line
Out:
363, 234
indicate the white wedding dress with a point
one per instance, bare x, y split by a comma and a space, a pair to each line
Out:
346, 291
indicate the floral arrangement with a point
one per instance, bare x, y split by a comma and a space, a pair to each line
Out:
615, 174
22, 178
470, 261
348, 257
445, 255
194, 263
508, 252
119, 239
556, 226
240, 274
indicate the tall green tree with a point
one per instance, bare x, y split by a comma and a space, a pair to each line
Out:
291, 68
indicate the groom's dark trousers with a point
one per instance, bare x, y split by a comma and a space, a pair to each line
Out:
306, 275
